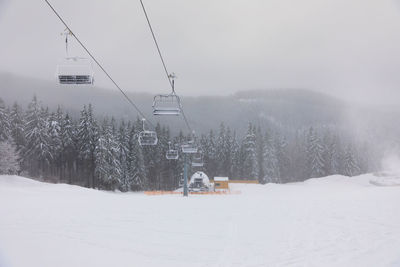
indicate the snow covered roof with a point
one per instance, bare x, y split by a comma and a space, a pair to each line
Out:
221, 179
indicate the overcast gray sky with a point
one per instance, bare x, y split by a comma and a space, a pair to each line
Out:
349, 48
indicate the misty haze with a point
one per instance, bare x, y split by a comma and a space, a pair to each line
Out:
199, 133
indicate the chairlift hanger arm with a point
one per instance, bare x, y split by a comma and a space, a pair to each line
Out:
66, 33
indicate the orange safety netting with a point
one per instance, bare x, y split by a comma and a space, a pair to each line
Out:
153, 193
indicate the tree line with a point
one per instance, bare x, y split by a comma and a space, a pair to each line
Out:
104, 153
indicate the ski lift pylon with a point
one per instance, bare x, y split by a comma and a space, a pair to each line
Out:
146, 137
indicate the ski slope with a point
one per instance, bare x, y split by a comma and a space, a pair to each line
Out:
332, 221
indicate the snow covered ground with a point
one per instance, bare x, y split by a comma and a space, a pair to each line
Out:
332, 221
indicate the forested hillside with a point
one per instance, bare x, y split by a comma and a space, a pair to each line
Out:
103, 152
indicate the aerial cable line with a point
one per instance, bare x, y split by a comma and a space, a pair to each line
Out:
163, 62
98, 64
158, 47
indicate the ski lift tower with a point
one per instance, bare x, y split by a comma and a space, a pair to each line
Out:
188, 147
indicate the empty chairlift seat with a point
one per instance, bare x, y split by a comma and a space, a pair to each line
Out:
148, 138
171, 153
75, 70
197, 160
169, 104
189, 147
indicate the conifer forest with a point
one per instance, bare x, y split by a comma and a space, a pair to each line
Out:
102, 152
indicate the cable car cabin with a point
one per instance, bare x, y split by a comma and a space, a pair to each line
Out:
75, 70
172, 154
189, 148
167, 105
148, 138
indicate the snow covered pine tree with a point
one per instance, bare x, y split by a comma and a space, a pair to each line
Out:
8, 158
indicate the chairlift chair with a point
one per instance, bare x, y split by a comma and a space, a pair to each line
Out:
171, 153
74, 70
167, 104
197, 160
189, 147
146, 137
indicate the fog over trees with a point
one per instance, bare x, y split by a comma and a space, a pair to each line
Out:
102, 152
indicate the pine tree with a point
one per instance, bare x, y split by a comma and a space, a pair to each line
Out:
271, 164
281, 147
334, 156
228, 150
236, 159
136, 172
260, 154
250, 163
17, 126
223, 151
299, 168
122, 142
54, 128
209, 154
37, 153
67, 147
351, 166
315, 161
4, 122
220, 151
87, 141
9, 158
107, 165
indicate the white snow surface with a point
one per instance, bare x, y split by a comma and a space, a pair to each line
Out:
332, 221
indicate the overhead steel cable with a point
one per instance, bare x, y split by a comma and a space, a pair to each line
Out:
163, 62
100, 66
156, 43
186, 121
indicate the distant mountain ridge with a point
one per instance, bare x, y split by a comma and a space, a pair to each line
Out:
284, 107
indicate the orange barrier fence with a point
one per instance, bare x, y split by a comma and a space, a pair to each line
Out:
156, 193
241, 181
